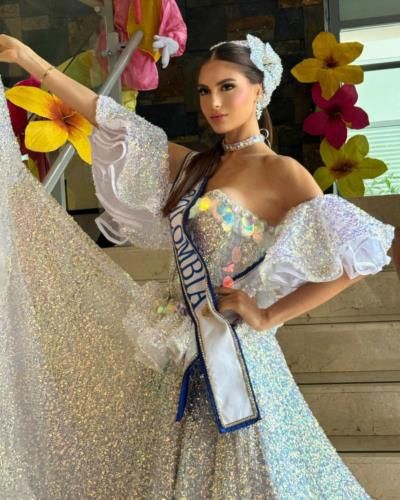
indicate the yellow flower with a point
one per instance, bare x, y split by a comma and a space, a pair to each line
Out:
63, 123
330, 64
348, 166
204, 204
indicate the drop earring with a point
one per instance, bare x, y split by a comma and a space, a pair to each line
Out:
261, 103
265, 133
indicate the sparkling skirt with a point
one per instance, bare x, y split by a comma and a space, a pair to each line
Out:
286, 455
81, 417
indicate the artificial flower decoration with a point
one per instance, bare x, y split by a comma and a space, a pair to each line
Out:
18, 115
335, 115
330, 64
37, 163
348, 166
63, 123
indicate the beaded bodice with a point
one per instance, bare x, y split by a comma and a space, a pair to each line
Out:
229, 237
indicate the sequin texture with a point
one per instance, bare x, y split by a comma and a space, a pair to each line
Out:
82, 414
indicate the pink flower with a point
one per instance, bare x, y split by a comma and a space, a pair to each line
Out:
229, 268
335, 115
227, 282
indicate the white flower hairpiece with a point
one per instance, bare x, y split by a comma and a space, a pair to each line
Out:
266, 60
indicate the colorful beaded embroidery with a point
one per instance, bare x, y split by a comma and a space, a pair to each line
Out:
232, 217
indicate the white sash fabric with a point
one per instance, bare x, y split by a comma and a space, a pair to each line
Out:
218, 347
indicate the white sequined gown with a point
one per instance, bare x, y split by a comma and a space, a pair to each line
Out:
91, 363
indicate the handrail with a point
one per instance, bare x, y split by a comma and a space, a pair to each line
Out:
97, 5
67, 152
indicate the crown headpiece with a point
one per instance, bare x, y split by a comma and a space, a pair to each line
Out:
266, 60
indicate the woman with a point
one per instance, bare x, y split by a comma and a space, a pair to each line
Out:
200, 403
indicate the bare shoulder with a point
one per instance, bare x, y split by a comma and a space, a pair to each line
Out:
291, 180
177, 154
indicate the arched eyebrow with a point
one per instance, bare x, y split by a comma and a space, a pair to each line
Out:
221, 82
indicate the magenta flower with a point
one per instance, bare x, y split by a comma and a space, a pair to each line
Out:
335, 115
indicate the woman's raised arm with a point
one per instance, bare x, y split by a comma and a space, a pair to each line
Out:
76, 95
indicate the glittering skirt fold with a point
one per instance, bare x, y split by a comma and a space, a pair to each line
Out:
68, 390
80, 417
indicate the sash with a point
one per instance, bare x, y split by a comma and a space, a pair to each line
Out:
218, 350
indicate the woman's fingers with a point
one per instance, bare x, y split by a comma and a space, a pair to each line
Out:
238, 301
228, 302
224, 291
226, 295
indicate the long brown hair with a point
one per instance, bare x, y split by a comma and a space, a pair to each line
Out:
205, 163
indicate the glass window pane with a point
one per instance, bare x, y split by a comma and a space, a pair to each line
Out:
354, 9
381, 43
379, 96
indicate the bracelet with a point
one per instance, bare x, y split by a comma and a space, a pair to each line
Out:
46, 73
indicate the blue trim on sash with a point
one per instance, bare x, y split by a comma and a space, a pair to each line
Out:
258, 416
188, 372
185, 386
232, 428
183, 394
242, 425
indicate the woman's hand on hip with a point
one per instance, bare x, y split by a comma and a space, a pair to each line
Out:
230, 299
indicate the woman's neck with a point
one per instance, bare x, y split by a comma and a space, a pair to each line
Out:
247, 129
241, 134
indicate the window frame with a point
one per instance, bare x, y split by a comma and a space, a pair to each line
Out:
333, 24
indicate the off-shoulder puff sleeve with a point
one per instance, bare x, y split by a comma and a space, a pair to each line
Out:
317, 241
131, 176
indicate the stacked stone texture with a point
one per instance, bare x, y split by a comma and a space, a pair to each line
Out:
59, 29
288, 25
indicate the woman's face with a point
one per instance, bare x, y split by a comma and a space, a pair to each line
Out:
227, 97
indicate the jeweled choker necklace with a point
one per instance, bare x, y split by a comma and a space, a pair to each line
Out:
235, 146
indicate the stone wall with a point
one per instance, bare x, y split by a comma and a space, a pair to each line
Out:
56, 29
